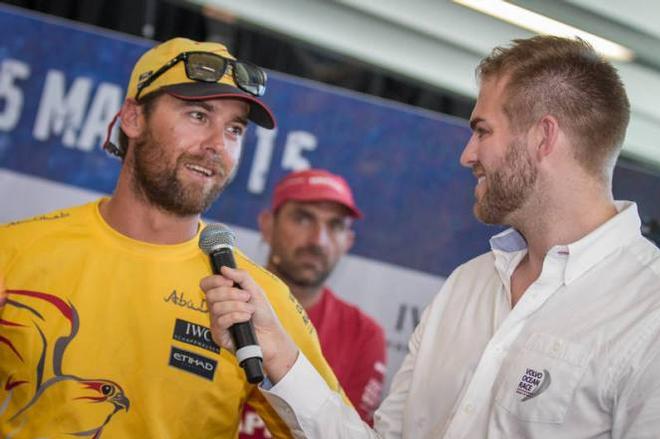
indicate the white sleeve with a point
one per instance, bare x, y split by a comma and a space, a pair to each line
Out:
637, 408
311, 410
389, 418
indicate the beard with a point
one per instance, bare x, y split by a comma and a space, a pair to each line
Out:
296, 273
508, 187
159, 183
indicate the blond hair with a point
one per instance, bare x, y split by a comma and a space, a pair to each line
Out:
567, 79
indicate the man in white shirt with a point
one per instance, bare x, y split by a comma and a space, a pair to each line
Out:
555, 333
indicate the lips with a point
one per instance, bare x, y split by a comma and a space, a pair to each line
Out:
205, 171
480, 174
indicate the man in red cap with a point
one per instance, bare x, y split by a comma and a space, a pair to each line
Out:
104, 330
309, 229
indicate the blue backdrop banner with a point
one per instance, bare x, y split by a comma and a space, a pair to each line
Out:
62, 83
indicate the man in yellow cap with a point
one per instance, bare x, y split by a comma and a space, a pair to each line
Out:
105, 330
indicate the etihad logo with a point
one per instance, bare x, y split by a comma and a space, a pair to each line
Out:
194, 334
193, 363
533, 383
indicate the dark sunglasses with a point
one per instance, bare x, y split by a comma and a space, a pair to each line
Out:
210, 67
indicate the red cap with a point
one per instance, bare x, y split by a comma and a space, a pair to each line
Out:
315, 185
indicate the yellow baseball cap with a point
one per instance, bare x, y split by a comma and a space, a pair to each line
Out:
176, 81
168, 67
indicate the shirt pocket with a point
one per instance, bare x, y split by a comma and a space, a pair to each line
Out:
541, 380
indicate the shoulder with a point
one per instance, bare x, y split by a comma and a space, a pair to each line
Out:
484, 260
463, 285
23, 232
367, 324
283, 302
271, 284
477, 271
647, 256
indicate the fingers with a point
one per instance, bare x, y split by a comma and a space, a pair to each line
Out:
227, 294
225, 321
228, 304
241, 277
228, 278
214, 281
229, 300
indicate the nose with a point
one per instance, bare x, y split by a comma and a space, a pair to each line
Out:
469, 154
215, 141
320, 235
219, 146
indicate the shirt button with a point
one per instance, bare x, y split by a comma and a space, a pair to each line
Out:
498, 349
468, 409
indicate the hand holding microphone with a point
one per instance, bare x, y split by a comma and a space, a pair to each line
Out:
238, 307
217, 241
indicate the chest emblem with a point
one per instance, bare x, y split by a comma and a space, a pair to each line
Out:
533, 383
33, 345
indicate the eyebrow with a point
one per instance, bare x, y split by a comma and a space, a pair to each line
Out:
193, 103
208, 107
337, 217
242, 120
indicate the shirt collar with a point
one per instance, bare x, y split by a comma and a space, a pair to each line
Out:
618, 231
583, 253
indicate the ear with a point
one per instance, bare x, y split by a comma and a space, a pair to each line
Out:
265, 220
545, 135
350, 240
132, 122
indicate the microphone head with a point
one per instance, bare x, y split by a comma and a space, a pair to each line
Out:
215, 236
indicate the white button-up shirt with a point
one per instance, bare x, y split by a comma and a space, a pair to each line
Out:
577, 357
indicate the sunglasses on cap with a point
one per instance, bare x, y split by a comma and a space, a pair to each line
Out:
210, 67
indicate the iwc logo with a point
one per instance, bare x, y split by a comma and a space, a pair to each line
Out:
194, 334
533, 383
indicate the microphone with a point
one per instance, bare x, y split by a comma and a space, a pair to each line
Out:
217, 241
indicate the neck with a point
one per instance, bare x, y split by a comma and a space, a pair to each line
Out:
132, 215
559, 223
564, 219
307, 296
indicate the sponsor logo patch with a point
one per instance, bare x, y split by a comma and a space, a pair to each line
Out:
194, 334
180, 299
533, 383
193, 363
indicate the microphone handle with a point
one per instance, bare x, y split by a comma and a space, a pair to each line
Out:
248, 352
